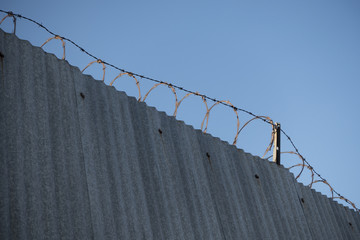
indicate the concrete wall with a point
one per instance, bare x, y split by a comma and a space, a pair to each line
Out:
80, 160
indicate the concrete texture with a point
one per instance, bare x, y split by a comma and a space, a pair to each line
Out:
80, 160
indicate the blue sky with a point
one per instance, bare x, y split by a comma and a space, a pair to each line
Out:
297, 62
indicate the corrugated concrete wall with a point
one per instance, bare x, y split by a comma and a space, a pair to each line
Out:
80, 160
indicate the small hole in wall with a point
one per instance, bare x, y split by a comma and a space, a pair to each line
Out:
160, 131
256, 176
82, 95
302, 200
208, 157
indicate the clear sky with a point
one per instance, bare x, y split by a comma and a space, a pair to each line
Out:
297, 62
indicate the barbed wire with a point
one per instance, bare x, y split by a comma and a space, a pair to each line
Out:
304, 163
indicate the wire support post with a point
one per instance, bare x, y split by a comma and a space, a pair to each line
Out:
276, 151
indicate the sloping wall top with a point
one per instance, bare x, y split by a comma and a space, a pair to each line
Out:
80, 160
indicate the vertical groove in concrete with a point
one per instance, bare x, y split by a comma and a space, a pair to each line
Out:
82, 160
296, 204
356, 223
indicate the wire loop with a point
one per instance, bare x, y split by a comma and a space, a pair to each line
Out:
310, 169
10, 14
130, 75
100, 62
207, 115
59, 38
165, 84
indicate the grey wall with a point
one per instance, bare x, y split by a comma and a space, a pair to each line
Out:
97, 167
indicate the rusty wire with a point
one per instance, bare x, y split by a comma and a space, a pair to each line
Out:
304, 163
100, 62
165, 84
313, 181
10, 14
130, 75
170, 86
59, 38
158, 84
272, 132
179, 102
338, 197
310, 169
347, 201
207, 115
302, 159
325, 182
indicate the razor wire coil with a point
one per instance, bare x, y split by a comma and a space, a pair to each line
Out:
304, 163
